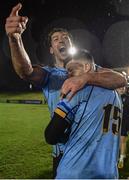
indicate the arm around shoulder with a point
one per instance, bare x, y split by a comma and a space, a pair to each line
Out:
106, 78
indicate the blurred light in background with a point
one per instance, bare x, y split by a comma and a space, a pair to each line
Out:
72, 50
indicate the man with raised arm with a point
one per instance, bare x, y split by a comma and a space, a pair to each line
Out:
51, 79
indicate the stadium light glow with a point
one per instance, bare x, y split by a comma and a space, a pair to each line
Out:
72, 50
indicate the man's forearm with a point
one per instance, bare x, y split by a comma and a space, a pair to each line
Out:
20, 59
108, 79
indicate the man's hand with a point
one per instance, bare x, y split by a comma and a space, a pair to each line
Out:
72, 85
15, 24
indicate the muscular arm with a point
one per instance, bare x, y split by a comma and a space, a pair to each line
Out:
20, 59
15, 26
104, 77
22, 63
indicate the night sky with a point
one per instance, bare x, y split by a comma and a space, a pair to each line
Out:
101, 26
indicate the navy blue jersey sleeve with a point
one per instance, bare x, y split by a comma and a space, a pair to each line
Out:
59, 127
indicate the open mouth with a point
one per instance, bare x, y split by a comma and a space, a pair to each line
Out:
63, 50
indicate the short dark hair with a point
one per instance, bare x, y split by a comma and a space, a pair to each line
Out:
83, 54
57, 30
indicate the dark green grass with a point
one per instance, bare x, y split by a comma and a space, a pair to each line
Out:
23, 151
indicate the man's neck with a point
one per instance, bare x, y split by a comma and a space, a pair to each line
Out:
62, 64
59, 64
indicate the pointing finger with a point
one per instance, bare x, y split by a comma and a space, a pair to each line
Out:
16, 9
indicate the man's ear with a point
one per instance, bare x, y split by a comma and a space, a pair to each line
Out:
87, 67
51, 50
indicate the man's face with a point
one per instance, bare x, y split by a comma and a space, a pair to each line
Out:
60, 44
75, 68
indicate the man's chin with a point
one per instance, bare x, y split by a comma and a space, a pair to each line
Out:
65, 56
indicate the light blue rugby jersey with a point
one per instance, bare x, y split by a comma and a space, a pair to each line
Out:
51, 89
92, 149
53, 82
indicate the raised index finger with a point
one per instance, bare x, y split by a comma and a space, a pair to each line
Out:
15, 10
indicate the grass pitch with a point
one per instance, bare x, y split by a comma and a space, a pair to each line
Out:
24, 154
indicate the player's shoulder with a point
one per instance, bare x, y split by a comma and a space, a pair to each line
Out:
103, 92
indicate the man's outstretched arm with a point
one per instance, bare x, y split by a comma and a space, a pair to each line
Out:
15, 26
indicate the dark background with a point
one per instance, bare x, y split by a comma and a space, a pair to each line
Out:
101, 26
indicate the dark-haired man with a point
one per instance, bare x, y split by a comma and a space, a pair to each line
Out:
51, 79
89, 125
